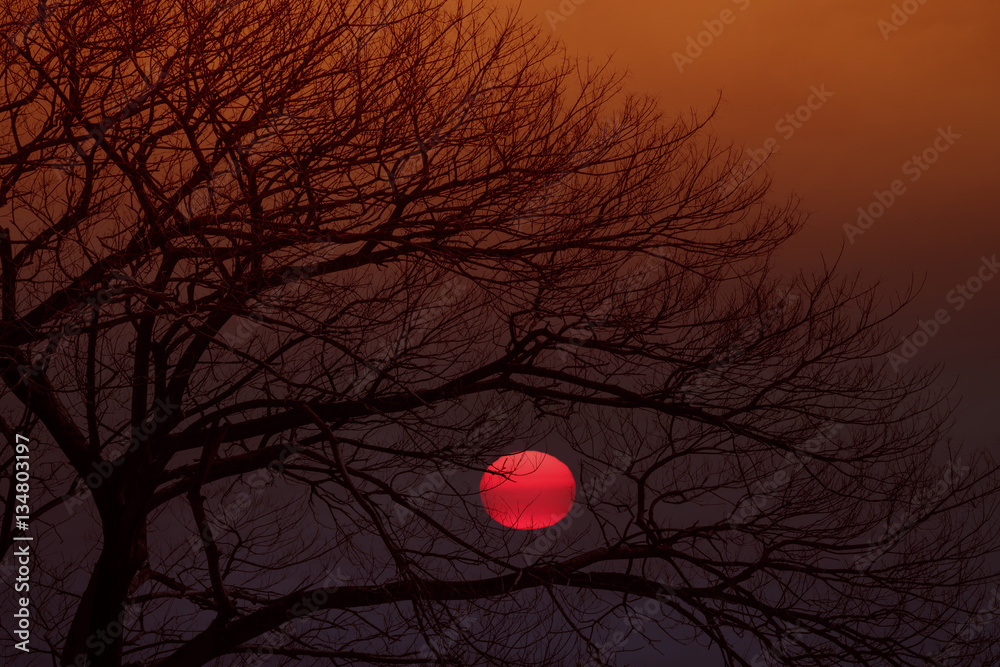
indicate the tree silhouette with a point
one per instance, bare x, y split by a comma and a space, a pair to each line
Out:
281, 279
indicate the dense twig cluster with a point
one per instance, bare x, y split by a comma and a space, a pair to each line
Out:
288, 188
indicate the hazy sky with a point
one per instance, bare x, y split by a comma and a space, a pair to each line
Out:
887, 90
888, 93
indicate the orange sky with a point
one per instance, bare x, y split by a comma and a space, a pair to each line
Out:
889, 98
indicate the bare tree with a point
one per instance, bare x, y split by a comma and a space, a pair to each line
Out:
280, 279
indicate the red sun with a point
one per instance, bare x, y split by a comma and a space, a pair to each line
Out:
528, 490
